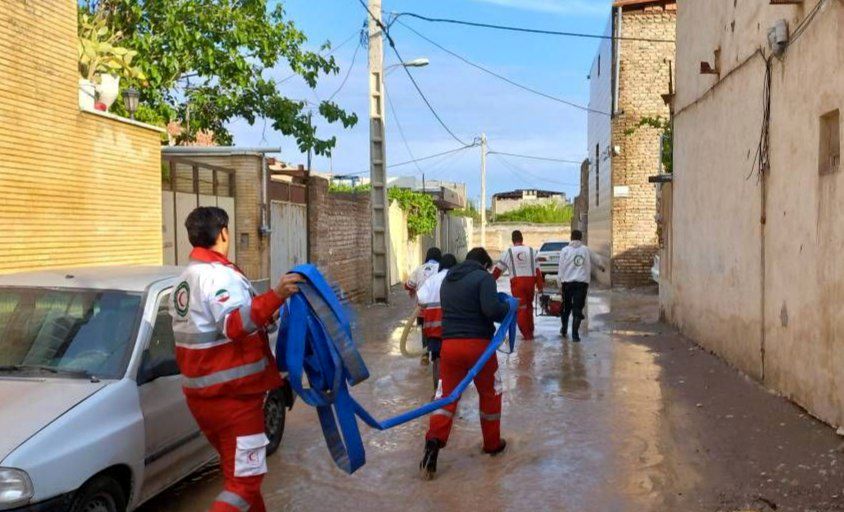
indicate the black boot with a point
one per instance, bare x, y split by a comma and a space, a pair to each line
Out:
498, 450
575, 329
428, 466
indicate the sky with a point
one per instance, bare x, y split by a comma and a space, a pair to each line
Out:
469, 101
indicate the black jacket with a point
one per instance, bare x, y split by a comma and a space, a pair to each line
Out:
470, 303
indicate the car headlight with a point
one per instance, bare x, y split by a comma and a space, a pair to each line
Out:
15, 488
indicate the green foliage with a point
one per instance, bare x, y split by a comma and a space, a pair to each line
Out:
470, 211
341, 187
552, 213
211, 61
666, 128
420, 208
99, 53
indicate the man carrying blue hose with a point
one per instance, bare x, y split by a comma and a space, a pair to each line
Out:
470, 306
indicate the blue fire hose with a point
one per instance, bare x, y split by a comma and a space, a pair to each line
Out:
318, 344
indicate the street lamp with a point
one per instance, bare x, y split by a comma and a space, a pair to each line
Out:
131, 97
421, 62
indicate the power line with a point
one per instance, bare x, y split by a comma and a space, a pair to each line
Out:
531, 157
532, 175
529, 30
422, 159
433, 156
348, 72
332, 50
502, 77
401, 132
390, 40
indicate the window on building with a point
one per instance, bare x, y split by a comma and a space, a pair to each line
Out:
597, 174
829, 159
599, 64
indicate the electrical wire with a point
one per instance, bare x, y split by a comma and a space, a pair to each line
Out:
518, 169
806, 22
348, 72
422, 159
528, 30
401, 132
431, 156
531, 157
502, 77
386, 32
330, 51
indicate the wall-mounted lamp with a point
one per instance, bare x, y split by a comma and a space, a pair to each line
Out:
131, 98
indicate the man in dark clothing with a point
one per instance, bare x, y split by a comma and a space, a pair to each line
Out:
471, 306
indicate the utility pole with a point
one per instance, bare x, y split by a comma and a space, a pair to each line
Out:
483, 190
378, 160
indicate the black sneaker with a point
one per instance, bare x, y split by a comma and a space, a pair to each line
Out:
428, 466
575, 338
563, 333
497, 451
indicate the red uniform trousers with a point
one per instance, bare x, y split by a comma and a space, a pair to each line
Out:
456, 358
234, 426
523, 289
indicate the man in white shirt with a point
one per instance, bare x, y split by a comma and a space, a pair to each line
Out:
520, 262
575, 273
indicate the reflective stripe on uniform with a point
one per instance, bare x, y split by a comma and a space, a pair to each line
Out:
444, 412
490, 417
431, 325
199, 340
230, 498
246, 318
238, 372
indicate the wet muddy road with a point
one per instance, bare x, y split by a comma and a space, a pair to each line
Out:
634, 418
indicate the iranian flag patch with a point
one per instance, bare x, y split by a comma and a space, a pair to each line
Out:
222, 295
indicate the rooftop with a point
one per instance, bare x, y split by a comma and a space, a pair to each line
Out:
518, 194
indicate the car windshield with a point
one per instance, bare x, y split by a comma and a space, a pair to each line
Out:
86, 333
552, 246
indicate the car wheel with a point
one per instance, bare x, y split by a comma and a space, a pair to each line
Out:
101, 494
275, 414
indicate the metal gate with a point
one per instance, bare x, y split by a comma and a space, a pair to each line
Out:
289, 237
187, 184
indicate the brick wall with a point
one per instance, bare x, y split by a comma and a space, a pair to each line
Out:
76, 188
340, 234
643, 79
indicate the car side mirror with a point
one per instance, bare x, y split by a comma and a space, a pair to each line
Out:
152, 369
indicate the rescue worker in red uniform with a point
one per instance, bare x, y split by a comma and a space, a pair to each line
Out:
223, 352
470, 306
417, 278
525, 276
432, 313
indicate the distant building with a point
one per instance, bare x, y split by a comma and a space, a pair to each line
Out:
627, 82
504, 202
430, 186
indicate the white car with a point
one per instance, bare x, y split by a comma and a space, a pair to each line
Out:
92, 415
548, 257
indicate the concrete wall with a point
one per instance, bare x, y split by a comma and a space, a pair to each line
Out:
580, 219
599, 138
759, 281
340, 235
76, 188
498, 236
